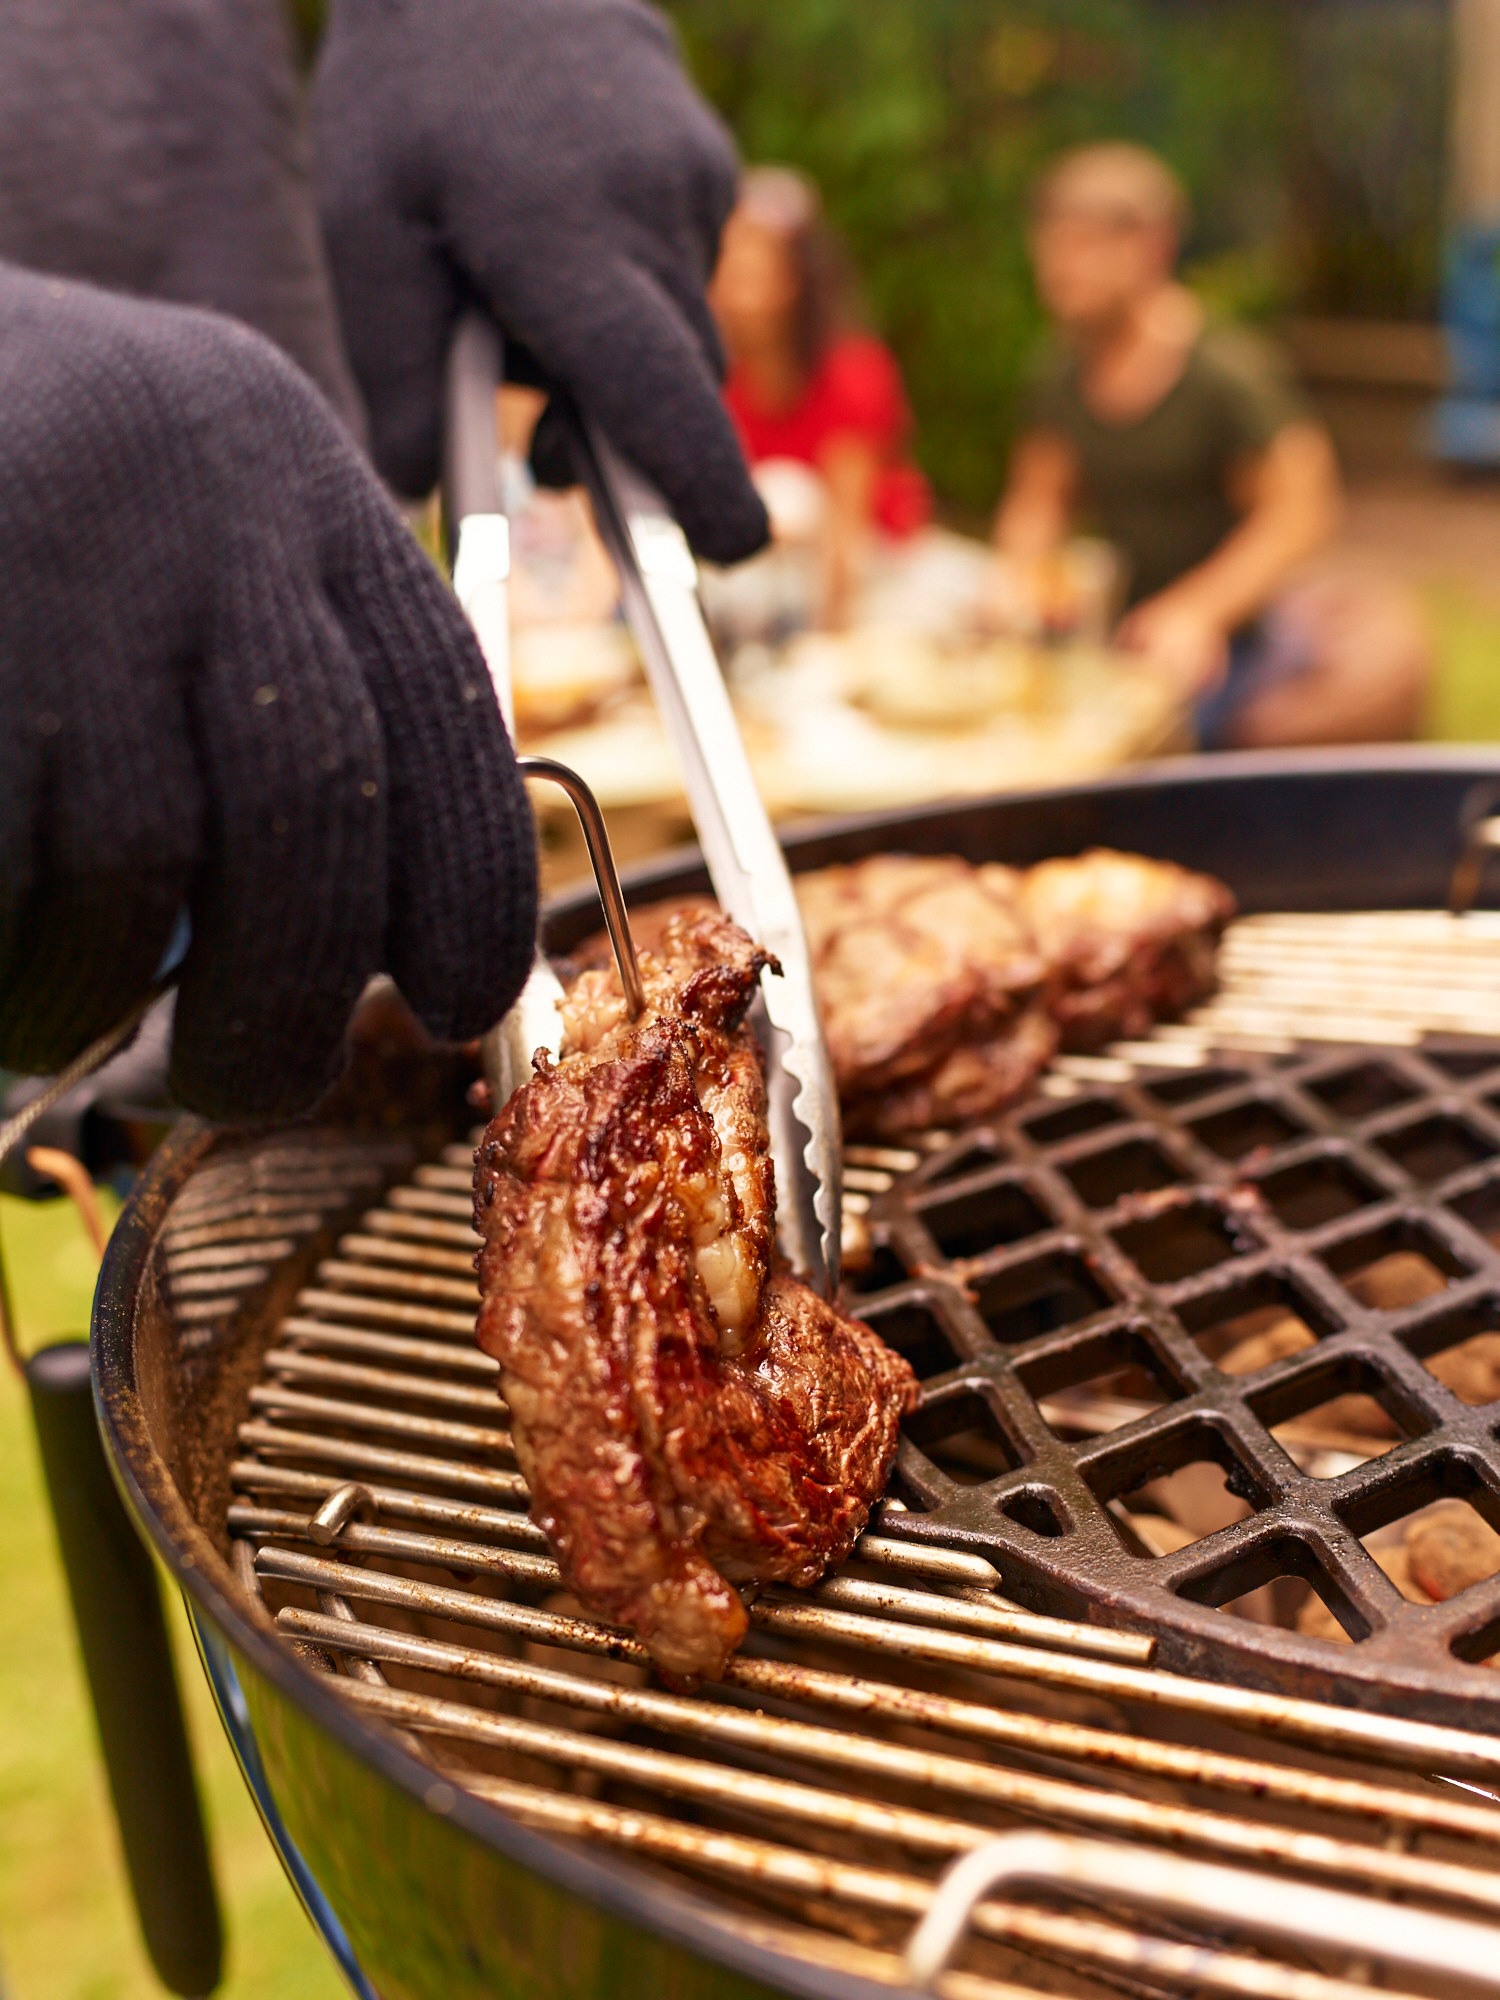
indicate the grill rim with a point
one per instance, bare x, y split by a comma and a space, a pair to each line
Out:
1063, 819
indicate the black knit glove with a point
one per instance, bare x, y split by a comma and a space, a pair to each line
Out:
230, 682
549, 158
160, 148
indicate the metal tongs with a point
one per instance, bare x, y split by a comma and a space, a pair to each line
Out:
659, 594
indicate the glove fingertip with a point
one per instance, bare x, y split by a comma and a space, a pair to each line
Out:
726, 527
230, 1092
730, 532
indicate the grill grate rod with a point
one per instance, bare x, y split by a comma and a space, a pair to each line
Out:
317, 1333
363, 1457
291, 1364
765, 1865
250, 1474
427, 1229
907, 1558
477, 1438
349, 1270
1052, 1800
1383, 1806
962, 1614
1388, 977
1419, 1746
395, 1312
365, 1250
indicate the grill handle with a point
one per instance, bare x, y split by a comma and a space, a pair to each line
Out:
127, 1658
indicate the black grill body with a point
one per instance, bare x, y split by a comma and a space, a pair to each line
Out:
430, 1891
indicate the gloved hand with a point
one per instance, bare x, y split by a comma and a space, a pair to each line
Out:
549, 158
162, 149
230, 682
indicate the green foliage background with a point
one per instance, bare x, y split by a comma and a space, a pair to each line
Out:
1309, 132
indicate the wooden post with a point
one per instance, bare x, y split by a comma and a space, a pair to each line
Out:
1475, 166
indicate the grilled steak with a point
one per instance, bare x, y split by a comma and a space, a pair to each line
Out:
1128, 941
687, 1416
930, 989
945, 989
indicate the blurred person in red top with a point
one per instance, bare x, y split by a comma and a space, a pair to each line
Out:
807, 387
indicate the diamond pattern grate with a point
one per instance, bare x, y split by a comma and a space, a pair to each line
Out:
1068, 1280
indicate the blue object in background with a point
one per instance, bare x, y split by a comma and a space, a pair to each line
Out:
1466, 424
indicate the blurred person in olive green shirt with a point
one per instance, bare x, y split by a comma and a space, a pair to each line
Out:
1189, 447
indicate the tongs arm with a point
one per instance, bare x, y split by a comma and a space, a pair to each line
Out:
479, 548
659, 592
658, 588
473, 513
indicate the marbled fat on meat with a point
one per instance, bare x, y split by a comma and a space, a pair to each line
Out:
688, 1416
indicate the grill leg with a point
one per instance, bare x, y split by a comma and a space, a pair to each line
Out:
128, 1661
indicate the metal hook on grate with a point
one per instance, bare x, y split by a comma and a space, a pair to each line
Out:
1399, 1934
346, 1503
1468, 874
606, 875
1479, 826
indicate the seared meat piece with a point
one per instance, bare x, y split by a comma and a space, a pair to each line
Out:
975, 1079
684, 1415
929, 986
1128, 941
945, 988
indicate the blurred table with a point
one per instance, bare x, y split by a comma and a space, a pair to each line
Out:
867, 721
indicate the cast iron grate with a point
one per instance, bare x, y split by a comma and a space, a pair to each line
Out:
1087, 1275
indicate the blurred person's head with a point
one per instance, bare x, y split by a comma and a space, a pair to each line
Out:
781, 282
1106, 226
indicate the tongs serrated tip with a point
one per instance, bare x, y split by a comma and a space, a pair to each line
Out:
658, 590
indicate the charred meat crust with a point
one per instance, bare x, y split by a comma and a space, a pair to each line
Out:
686, 1417
1128, 941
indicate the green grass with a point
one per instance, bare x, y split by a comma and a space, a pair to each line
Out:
1465, 701
67, 1931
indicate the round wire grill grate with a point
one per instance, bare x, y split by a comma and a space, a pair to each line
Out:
1066, 1281
1069, 1282
872, 1730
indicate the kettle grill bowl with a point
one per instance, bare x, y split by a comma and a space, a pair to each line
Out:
433, 1890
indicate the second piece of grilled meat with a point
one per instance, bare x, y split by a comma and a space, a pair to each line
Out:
687, 1417
945, 988
930, 989
1128, 941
